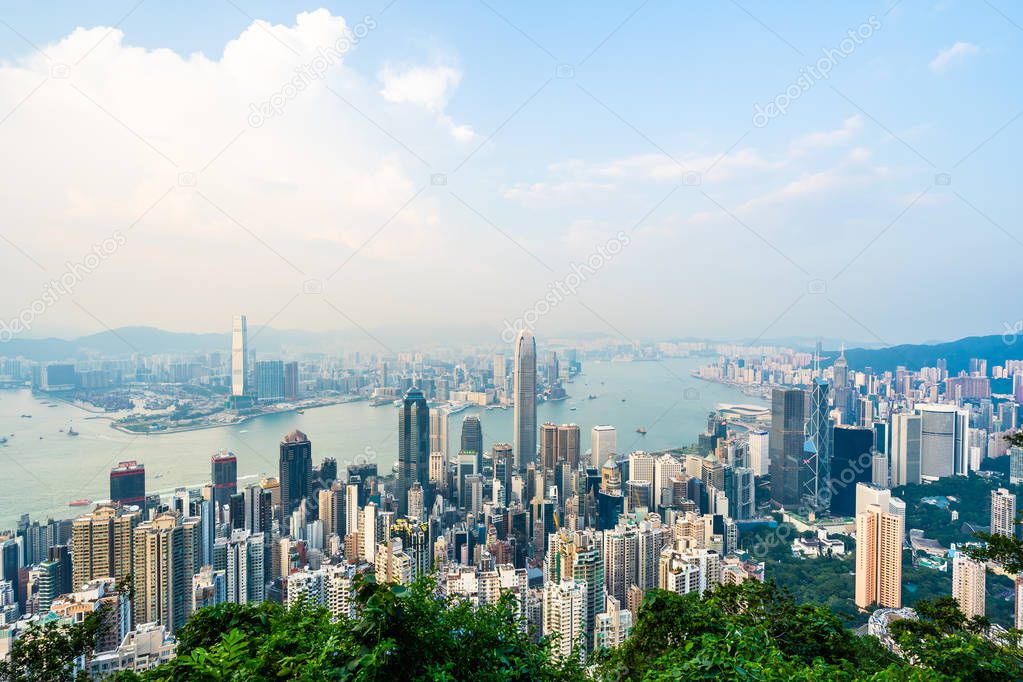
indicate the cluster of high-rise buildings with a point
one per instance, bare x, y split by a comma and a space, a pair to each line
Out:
575, 536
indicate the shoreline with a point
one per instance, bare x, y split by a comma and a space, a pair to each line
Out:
241, 420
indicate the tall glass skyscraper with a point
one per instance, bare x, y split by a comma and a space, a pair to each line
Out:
296, 472
472, 439
525, 400
786, 442
239, 356
816, 465
413, 446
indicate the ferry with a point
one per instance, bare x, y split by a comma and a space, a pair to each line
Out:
79, 503
455, 408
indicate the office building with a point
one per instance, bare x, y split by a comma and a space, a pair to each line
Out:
603, 445
817, 453
786, 441
270, 381
413, 446
524, 421
759, 454
905, 465
224, 475
296, 473
943, 441
239, 356
128, 484
851, 464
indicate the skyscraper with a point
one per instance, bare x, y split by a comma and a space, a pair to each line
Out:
101, 544
969, 577
943, 441
816, 465
603, 444
128, 483
759, 457
472, 439
239, 356
439, 432
879, 536
564, 616
525, 400
905, 449
1003, 512
413, 446
224, 475
165, 557
270, 381
851, 464
786, 441
296, 472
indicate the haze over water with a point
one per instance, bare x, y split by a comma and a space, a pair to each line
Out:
42, 475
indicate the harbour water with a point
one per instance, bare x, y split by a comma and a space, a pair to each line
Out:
42, 468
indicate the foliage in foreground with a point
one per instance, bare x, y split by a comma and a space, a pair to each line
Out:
757, 632
747, 632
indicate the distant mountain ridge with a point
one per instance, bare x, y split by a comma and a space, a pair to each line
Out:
153, 341
996, 349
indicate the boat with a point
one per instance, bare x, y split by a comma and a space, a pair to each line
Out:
591, 396
71, 432
641, 431
79, 503
26, 416
299, 411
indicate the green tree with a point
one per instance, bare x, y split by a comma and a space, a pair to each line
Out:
51, 651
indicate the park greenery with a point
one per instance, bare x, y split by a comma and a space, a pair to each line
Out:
752, 631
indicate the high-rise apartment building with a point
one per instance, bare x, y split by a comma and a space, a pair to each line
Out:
101, 544
165, 556
1003, 512
564, 617
879, 535
969, 578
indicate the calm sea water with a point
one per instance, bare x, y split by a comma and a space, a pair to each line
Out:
42, 469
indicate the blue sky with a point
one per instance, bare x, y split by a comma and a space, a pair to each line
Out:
880, 207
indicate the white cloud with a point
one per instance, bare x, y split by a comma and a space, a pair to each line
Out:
310, 183
829, 138
953, 55
429, 87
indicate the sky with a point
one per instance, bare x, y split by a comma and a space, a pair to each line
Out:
641, 169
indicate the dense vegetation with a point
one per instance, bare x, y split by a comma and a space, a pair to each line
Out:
749, 632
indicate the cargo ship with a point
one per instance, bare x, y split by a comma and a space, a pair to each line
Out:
79, 503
